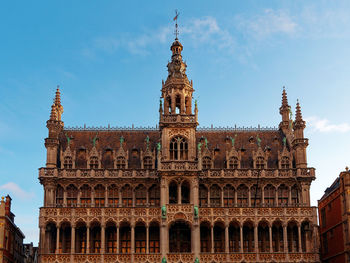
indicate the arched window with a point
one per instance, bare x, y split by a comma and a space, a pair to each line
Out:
99, 196
178, 149
147, 162
80, 238
233, 163
292, 236
85, 198
179, 237
50, 237
68, 163
248, 237
95, 238
269, 195
140, 195
107, 159
140, 238
154, 195
255, 195
111, 238
72, 195
215, 196
234, 237
154, 238
125, 239
295, 195
113, 196
229, 196
121, 163
93, 162
205, 237
219, 238
185, 193
277, 237
260, 162
59, 195
242, 195
283, 195
173, 193
285, 162
203, 196
127, 196
206, 163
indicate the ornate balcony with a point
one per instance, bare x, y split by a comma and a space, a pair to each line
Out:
178, 118
178, 166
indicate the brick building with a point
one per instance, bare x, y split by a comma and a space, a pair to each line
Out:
177, 192
333, 210
11, 237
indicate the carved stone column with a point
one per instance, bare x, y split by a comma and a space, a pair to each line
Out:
241, 238
227, 248
256, 243
270, 239
103, 238
65, 198
212, 238
57, 240
72, 244
118, 245
285, 243
147, 239
299, 238
87, 239
132, 239
249, 198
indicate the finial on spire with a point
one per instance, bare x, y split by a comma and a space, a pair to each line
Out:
284, 98
176, 32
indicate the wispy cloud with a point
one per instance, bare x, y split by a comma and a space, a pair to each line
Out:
16, 190
267, 23
324, 125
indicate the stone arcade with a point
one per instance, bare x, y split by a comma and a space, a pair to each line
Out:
177, 193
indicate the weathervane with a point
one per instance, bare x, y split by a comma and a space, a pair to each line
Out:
176, 26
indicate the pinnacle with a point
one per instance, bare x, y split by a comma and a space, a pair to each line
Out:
53, 115
58, 97
284, 98
298, 116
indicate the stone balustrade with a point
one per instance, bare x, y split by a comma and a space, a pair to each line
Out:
176, 166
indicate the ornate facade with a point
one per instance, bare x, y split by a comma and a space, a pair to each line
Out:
177, 193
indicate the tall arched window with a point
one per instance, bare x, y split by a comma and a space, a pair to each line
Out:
206, 163
229, 196
260, 162
255, 195
154, 195
233, 163
203, 196
59, 195
140, 195
295, 195
178, 148
185, 192
173, 193
242, 195
72, 195
99, 196
283, 195
285, 162
85, 198
215, 196
113, 196
127, 196
269, 195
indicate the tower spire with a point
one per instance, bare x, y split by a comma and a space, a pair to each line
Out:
285, 112
58, 105
176, 32
298, 116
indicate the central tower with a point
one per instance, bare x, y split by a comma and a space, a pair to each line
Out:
177, 121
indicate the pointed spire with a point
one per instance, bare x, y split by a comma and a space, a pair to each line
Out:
284, 98
58, 105
298, 116
53, 115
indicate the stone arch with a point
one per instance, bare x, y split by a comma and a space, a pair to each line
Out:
173, 192
185, 192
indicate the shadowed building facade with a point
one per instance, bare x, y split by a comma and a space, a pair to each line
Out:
177, 193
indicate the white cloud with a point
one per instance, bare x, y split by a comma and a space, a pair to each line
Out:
324, 125
268, 23
16, 191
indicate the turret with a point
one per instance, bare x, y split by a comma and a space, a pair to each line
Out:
299, 143
54, 126
285, 124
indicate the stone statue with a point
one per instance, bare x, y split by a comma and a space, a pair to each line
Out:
121, 140
199, 146
163, 211
196, 211
94, 140
206, 142
284, 141
233, 140
196, 260
159, 146
163, 260
147, 142
68, 139
258, 140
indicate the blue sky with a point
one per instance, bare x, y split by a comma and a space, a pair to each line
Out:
109, 57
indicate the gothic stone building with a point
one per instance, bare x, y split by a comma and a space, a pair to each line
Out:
177, 193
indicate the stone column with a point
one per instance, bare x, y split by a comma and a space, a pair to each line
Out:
289, 196
276, 197
173, 104
222, 198
118, 239
92, 198
147, 239
256, 243
103, 238
235, 198
65, 198
42, 240
285, 243
120, 204
106, 197
195, 240
299, 237
227, 248
270, 239
241, 237
72, 242
249, 197
212, 238
262, 196
57, 240
132, 239
87, 240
